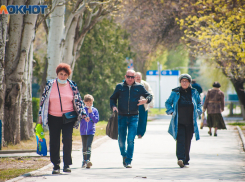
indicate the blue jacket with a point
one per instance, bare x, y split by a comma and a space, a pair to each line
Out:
88, 128
172, 107
128, 98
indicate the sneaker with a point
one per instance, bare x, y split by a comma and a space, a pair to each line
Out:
180, 163
89, 164
215, 134
128, 166
124, 163
210, 133
84, 164
66, 169
56, 169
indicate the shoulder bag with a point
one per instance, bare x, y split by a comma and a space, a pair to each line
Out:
69, 116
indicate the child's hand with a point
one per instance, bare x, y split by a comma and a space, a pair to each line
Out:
90, 110
87, 119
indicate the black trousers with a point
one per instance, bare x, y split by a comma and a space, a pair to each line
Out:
183, 144
87, 143
55, 127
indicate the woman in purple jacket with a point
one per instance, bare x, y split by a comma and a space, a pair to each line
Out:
87, 129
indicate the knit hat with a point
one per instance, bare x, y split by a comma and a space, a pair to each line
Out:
185, 76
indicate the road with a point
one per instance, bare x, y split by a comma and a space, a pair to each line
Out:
211, 159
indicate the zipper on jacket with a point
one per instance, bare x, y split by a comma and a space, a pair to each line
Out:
129, 98
87, 129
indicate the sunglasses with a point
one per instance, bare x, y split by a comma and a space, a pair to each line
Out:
130, 76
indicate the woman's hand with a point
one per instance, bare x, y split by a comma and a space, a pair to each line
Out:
40, 120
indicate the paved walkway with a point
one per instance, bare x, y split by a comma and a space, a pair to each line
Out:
212, 159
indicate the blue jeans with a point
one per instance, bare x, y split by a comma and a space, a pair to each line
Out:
130, 124
143, 114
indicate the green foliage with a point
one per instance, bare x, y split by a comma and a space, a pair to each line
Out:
237, 124
210, 74
35, 108
176, 58
102, 64
155, 111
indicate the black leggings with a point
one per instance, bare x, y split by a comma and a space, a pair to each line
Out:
55, 126
87, 142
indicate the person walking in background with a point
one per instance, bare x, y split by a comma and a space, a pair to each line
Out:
195, 85
184, 105
56, 92
87, 129
214, 104
143, 109
128, 95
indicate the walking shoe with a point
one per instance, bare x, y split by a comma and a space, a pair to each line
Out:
210, 133
180, 163
56, 169
84, 164
215, 134
66, 169
89, 164
128, 166
124, 163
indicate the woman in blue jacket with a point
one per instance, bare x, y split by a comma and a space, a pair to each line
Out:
184, 105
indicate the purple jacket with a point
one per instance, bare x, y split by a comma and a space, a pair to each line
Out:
88, 128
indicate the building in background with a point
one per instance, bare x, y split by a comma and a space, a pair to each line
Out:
169, 79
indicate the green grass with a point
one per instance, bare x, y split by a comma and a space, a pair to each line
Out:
6, 174
237, 124
32, 144
155, 111
12, 165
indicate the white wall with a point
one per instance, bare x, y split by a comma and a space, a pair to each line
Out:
168, 81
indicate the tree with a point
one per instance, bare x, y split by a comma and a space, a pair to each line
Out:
17, 76
216, 29
66, 35
102, 63
3, 34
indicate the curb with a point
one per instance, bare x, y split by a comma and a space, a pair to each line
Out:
45, 167
241, 136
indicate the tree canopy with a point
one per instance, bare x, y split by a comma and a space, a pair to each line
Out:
102, 63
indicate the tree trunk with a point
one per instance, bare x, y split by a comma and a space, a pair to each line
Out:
21, 33
30, 114
238, 85
3, 33
55, 38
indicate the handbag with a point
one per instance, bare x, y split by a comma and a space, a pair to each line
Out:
41, 142
69, 116
203, 121
112, 126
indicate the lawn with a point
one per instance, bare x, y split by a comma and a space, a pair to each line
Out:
16, 166
155, 111
31, 144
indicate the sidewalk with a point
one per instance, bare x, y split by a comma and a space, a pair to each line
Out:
212, 159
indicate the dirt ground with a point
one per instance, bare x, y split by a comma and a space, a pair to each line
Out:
31, 162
